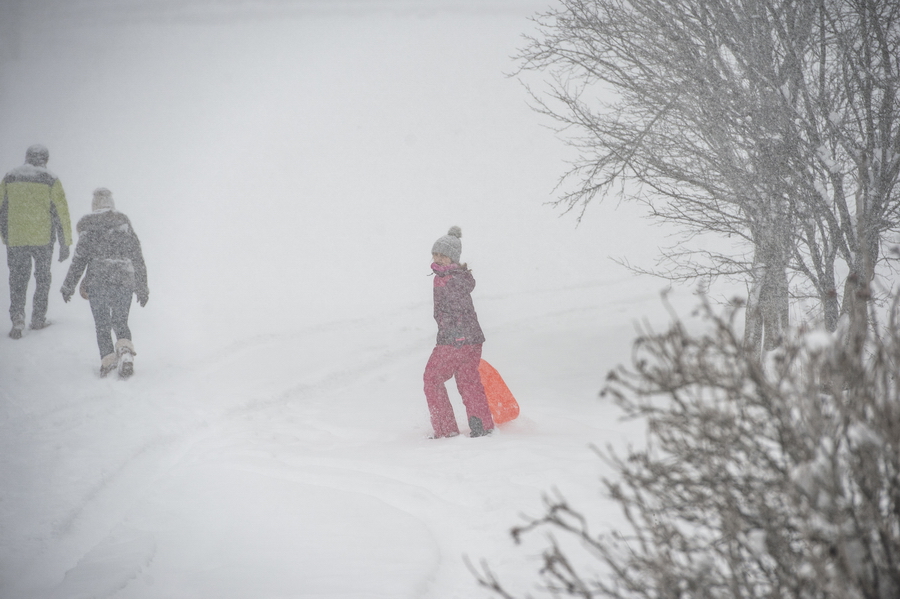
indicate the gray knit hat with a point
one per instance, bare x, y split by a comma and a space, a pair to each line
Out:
449, 245
102, 200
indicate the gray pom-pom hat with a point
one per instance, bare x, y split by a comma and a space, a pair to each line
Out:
449, 245
102, 200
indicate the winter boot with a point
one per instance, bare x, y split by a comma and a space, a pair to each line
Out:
476, 427
17, 328
108, 364
126, 353
37, 325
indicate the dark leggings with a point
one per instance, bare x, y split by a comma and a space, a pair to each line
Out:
110, 306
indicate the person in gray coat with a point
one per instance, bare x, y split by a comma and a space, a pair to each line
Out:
109, 250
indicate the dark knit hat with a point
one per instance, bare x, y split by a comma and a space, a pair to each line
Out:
449, 245
37, 155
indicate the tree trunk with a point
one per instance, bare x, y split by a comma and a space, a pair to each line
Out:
768, 313
857, 292
831, 309
768, 305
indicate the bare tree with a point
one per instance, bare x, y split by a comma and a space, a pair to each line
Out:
772, 122
776, 478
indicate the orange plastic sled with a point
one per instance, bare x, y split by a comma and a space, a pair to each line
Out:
500, 399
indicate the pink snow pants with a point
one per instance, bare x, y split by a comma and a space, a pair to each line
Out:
461, 362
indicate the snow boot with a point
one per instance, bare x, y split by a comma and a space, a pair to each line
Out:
126, 353
38, 325
17, 328
476, 428
108, 364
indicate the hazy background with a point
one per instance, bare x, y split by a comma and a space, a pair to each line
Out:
288, 166
301, 157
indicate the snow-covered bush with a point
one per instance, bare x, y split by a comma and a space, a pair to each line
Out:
759, 479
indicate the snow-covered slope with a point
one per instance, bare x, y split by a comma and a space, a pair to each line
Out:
287, 167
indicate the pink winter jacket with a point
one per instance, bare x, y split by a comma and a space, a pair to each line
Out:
453, 307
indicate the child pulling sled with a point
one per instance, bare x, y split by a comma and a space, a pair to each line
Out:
459, 339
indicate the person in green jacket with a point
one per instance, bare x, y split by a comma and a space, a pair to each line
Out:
33, 216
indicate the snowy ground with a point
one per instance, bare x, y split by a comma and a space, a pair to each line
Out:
288, 164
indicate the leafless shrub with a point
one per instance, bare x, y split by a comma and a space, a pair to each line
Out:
775, 478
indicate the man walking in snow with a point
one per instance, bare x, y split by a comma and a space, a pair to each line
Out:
33, 215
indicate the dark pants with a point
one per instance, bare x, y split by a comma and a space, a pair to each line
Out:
110, 306
19, 260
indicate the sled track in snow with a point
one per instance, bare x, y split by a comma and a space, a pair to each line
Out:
159, 451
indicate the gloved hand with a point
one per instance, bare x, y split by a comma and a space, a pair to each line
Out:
143, 296
63, 252
67, 294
